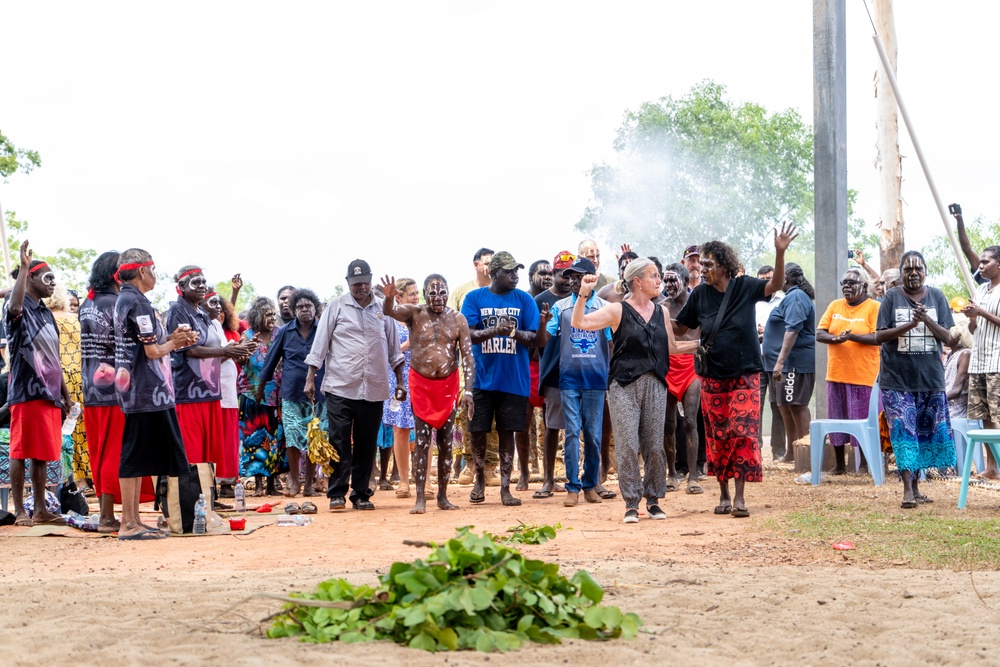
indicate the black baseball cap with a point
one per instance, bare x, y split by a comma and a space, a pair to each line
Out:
582, 265
358, 271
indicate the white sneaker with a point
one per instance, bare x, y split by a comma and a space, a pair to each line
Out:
631, 516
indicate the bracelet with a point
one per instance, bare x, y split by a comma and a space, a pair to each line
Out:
468, 393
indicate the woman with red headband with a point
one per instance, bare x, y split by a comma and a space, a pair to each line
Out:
197, 370
37, 395
103, 418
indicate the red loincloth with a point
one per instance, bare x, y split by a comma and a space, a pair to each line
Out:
680, 374
433, 401
35, 431
535, 398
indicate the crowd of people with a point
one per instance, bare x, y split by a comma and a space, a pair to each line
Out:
666, 366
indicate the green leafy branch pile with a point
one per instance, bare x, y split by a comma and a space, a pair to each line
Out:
471, 593
526, 533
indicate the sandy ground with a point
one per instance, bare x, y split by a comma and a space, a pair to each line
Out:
712, 590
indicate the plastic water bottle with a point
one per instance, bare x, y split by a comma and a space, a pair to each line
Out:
293, 520
199, 516
69, 425
394, 405
239, 496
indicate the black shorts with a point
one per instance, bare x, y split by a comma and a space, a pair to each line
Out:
152, 445
510, 411
794, 389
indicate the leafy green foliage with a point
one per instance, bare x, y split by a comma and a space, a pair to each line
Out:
14, 159
71, 265
470, 593
245, 298
526, 533
702, 167
942, 266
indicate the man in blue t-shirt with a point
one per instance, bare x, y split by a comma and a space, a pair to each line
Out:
502, 322
583, 361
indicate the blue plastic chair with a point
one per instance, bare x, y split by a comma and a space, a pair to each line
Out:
866, 432
988, 437
961, 427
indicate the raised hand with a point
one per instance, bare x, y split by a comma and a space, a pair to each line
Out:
626, 247
544, 315
785, 237
587, 285
26, 255
237, 283
389, 287
859, 257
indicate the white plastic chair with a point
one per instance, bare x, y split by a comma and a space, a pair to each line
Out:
961, 427
864, 430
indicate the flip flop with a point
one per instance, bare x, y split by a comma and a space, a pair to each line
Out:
385, 486
309, 507
694, 489
403, 493
54, 521
476, 499
144, 535
723, 509
740, 512
671, 487
908, 504
922, 499
23, 521
607, 495
293, 508
541, 494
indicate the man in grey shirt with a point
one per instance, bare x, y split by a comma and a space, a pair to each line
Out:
359, 346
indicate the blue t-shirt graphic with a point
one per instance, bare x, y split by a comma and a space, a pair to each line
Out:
502, 364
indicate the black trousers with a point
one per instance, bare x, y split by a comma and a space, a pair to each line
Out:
356, 421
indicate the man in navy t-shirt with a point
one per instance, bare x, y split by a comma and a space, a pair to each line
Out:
502, 322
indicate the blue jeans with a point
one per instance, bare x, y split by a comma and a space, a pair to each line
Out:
583, 410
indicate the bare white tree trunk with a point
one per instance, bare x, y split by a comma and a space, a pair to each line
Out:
888, 160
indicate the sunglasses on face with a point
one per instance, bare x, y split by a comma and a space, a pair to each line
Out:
566, 257
851, 283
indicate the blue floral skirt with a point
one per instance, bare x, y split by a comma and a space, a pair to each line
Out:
920, 429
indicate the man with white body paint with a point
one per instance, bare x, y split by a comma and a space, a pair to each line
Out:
437, 335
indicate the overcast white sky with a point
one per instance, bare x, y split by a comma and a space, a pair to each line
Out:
283, 140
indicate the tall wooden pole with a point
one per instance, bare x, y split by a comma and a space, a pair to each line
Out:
830, 163
6, 250
963, 266
888, 160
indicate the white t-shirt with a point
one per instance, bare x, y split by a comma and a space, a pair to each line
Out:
762, 310
228, 374
986, 345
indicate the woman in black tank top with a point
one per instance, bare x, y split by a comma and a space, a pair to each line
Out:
637, 386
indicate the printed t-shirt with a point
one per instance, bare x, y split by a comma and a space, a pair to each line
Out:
142, 384
501, 362
584, 356
35, 365
986, 346
196, 380
736, 349
97, 346
795, 312
850, 362
912, 362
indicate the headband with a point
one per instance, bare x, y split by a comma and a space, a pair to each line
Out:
210, 295
36, 267
128, 267
184, 275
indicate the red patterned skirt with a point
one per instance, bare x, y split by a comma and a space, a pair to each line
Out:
732, 428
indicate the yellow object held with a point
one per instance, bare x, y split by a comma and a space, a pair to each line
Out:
320, 449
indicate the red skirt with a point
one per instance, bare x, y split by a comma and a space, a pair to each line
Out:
35, 431
732, 427
105, 425
229, 465
202, 431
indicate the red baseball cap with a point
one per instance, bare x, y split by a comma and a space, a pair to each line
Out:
563, 260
